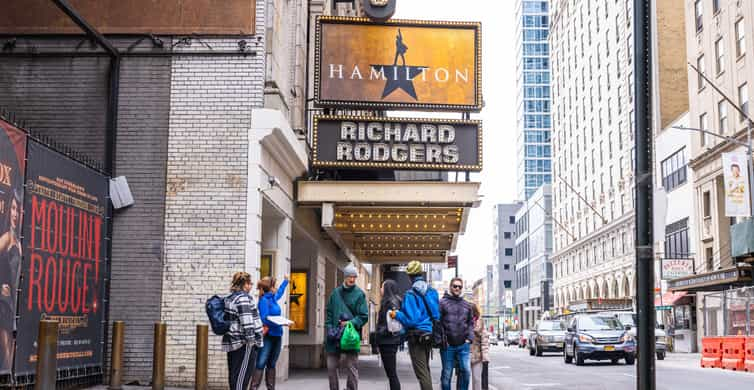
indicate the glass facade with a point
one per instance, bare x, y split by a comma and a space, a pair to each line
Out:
533, 104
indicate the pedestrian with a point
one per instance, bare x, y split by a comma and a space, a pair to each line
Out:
458, 324
388, 341
419, 308
244, 337
347, 303
268, 355
480, 349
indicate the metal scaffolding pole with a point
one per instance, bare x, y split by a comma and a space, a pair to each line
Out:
645, 379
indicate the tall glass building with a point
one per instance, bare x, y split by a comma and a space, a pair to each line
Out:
533, 121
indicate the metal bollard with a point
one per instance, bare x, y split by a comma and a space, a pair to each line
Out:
116, 357
485, 376
158, 356
202, 341
47, 350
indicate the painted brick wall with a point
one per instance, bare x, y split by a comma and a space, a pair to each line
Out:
141, 156
207, 168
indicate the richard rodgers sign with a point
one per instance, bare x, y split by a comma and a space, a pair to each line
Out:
397, 143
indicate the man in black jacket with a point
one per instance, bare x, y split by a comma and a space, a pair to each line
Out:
458, 322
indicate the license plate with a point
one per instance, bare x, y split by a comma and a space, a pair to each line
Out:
609, 348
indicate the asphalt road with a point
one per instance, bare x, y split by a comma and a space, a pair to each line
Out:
513, 369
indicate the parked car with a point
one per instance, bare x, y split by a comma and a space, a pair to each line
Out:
598, 337
511, 337
628, 318
547, 336
523, 340
493, 339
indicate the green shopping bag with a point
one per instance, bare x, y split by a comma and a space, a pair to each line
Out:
350, 340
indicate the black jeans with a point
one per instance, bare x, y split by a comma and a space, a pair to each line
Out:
387, 354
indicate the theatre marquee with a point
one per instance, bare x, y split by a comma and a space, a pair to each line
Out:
397, 143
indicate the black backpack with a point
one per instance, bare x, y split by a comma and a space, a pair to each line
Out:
437, 338
215, 307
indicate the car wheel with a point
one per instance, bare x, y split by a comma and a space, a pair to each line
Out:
630, 360
614, 361
579, 357
660, 355
567, 359
539, 351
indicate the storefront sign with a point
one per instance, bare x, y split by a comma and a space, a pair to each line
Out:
12, 166
398, 64
712, 279
677, 268
64, 255
736, 176
298, 302
397, 143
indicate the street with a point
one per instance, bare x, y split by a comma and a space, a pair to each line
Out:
513, 368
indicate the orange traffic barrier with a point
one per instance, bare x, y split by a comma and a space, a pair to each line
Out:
749, 358
712, 352
734, 353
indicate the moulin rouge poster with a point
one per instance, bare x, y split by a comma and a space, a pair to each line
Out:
12, 163
64, 258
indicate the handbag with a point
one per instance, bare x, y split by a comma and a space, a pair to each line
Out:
350, 340
393, 326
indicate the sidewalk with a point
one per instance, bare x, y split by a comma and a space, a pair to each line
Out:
371, 376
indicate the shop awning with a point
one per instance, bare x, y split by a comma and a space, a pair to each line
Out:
392, 222
670, 298
723, 279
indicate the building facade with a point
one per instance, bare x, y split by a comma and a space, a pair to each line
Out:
504, 243
533, 121
533, 293
592, 87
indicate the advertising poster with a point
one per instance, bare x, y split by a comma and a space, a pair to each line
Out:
398, 64
64, 258
736, 176
12, 160
298, 299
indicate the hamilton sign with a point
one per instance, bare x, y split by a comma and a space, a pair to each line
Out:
397, 143
398, 64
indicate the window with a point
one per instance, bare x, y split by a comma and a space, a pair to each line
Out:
722, 109
740, 38
719, 56
743, 99
506, 267
706, 205
704, 125
698, 15
509, 251
715, 6
265, 265
507, 283
507, 235
677, 240
674, 170
702, 70
511, 219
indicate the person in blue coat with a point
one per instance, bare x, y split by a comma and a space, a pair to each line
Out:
421, 305
273, 338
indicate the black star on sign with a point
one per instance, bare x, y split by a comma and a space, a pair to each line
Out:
399, 77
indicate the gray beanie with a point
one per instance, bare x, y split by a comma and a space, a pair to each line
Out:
350, 270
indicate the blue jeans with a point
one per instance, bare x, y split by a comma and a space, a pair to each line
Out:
268, 355
452, 356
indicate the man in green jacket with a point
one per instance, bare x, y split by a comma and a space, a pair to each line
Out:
347, 303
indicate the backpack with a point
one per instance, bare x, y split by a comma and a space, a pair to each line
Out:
215, 307
437, 338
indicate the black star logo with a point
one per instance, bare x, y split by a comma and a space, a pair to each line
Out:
399, 77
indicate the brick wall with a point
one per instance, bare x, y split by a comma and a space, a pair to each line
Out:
207, 168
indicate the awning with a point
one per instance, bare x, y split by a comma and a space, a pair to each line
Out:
386, 222
723, 279
670, 298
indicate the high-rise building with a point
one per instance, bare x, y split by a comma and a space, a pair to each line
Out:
504, 242
533, 294
533, 121
593, 136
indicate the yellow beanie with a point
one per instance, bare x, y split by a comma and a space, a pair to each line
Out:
414, 268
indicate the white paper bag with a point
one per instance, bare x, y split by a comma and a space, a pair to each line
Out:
393, 325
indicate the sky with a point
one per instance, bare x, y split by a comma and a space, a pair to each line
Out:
498, 177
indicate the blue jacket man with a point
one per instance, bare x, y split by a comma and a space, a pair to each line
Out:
417, 321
